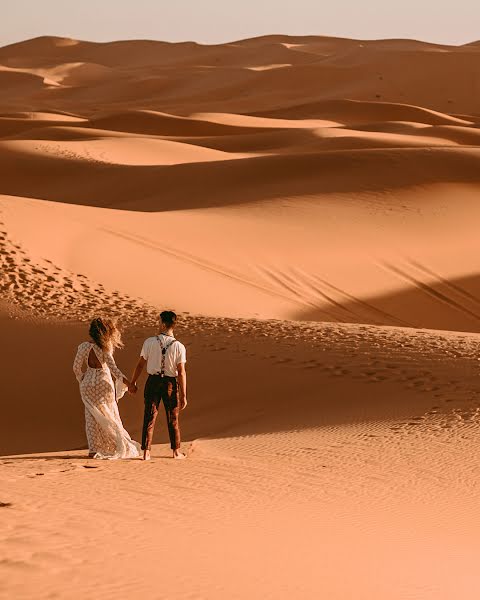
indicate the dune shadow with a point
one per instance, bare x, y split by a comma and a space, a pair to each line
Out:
428, 301
231, 182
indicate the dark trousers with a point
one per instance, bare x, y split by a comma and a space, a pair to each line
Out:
157, 389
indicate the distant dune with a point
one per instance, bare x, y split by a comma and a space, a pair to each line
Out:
237, 77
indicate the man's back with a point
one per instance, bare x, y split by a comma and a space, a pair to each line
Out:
165, 358
152, 352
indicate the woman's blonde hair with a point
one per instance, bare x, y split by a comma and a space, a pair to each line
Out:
105, 334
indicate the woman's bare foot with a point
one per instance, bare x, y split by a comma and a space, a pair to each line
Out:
146, 455
179, 455
91, 454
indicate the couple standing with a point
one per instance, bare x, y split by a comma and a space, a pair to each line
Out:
102, 384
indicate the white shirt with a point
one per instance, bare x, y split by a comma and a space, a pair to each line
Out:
152, 353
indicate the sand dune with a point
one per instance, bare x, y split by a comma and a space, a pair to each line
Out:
319, 278
233, 182
154, 123
18, 123
16, 81
309, 205
186, 77
45, 117
79, 74
120, 151
275, 177
354, 112
355, 474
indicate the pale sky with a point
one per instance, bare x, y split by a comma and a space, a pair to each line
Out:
215, 21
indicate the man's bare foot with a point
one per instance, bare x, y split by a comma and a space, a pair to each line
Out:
146, 455
179, 455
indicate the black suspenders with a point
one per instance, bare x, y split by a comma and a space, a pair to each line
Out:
164, 351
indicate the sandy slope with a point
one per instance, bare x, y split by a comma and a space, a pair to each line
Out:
336, 260
323, 448
327, 187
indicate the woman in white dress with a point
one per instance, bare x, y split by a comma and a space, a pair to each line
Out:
105, 433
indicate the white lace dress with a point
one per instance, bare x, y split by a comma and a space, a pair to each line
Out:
105, 433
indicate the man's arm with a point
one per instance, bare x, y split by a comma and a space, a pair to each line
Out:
182, 383
138, 371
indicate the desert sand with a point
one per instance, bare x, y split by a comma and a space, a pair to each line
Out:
309, 207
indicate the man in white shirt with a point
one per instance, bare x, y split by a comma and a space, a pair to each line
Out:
165, 358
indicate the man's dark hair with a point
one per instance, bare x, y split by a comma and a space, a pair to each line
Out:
168, 317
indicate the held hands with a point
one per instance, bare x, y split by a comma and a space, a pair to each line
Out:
132, 388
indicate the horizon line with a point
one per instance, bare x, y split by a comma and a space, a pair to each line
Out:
239, 40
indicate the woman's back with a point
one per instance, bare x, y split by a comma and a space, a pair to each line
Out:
93, 361
96, 371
